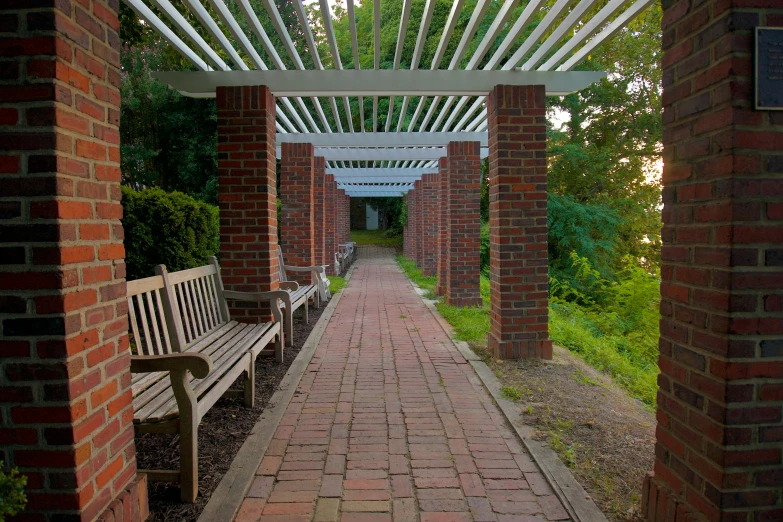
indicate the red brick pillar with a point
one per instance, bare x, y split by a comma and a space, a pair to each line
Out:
720, 424
341, 239
297, 208
319, 221
65, 383
443, 225
517, 223
330, 214
247, 195
430, 223
464, 230
347, 218
405, 236
412, 200
417, 221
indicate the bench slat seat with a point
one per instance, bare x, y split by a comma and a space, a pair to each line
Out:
189, 353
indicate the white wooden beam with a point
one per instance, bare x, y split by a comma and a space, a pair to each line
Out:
379, 173
381, 83
384, 139
382, 153
388, 179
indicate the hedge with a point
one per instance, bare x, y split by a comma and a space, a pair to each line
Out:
169, 228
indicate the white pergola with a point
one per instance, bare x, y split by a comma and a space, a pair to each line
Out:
384, 160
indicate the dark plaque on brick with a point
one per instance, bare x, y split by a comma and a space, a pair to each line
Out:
769, 68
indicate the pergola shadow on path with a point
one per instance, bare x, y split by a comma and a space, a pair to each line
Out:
65, 398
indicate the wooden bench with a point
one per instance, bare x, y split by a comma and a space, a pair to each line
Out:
187, 353
300, 295
346, 253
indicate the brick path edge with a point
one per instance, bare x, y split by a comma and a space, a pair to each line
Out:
575, 499
225, 501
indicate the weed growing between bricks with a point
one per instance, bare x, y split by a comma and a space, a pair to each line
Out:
220, 435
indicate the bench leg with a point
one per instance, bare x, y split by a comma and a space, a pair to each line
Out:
289, 329
250, 383
279, 347
306, 311
188, 435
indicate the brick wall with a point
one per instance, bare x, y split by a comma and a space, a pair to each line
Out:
464, 226
330, 216
443, 225
247, 194
297, 208
319, 195
518, 222
720, 424
65, 397
430, 223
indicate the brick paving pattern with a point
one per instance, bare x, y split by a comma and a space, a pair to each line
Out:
390, 423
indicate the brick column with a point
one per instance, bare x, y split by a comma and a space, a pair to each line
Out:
517, 223
430, 223
443, 225
65, 383
417, 222
319, 221
247, 195
405, 235
412, 200
330, 215
720, 431
347, 218
341, 239
464, 230
297, 208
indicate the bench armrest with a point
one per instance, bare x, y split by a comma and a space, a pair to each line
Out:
272, 297
316, 268
289, 285
197, 364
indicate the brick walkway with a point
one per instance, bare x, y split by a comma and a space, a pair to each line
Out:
391, 423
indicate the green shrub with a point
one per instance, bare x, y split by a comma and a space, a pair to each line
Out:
12, 497
169, 228
484, 253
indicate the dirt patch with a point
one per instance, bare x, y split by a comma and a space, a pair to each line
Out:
605, 437
222, 432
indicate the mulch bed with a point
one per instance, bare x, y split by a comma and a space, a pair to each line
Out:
221, 433
605, 437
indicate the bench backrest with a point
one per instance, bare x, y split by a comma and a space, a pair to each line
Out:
282, 277
169, 311
149, 327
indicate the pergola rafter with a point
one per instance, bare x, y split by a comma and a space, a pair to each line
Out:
450, 99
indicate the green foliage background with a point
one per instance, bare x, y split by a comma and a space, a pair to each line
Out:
169, 228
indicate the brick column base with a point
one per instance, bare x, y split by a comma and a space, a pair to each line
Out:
661, 503
130, 505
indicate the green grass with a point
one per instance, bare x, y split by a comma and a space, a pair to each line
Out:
336, 283
570, 326
375, 238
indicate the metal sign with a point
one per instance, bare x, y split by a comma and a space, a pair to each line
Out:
769, 68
